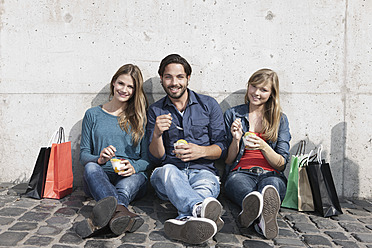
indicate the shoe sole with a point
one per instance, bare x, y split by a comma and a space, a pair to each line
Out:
195, 231
137, 223
120, 225
270, 211
211, 209
247, 216
103, 211
126, 224
101, 215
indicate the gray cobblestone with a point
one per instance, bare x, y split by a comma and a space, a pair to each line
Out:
354, 227
363, 237
324, 223
305, 228
345, 244
298, 218
73, 204
313, 240
12, 211
164, 245
44, 208
32, 223
369, 209
358, 212
226, 238
63, 246
344, 217
34, 216
287, 233
5, 221
11, 238
367, 220
288, 242
134, 238
48, 230
23, 203
157, 236
255, 244
71, 238
65, 212
98, 244
349, 205
39, 241
58, 221
337, 235
361, 202
23, 226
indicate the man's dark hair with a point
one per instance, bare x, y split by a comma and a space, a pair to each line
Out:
174, 59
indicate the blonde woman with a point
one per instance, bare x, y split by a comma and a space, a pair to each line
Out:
115, 129
255, 161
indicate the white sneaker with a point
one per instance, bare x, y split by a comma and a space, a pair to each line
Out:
251, 208
190, 229
211, 209
271, 206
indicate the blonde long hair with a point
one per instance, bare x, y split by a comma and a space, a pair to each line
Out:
272, 110
133, 117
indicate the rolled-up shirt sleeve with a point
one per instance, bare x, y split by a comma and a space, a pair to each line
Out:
217, 132
284, 136
151, 119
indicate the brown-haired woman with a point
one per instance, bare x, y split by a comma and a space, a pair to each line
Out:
115, 129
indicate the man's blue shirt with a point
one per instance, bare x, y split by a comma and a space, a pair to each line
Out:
202, 124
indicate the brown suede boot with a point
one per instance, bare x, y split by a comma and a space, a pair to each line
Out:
124, 221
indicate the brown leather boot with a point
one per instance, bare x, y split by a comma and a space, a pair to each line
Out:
125, 221
101, 215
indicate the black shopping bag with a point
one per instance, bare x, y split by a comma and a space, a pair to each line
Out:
35, 188
325, 197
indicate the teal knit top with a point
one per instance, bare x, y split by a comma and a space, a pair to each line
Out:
101, 129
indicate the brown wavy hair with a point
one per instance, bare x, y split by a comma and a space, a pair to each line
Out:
133, 117
272, 110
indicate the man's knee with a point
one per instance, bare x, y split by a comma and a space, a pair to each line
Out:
163, 172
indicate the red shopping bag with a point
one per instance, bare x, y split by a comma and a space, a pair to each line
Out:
59, 177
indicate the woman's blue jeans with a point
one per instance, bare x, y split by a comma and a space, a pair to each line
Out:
184, 188
240, 183
100, 184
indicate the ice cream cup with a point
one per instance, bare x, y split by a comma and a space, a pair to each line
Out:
116, 164
246, 142
178, 143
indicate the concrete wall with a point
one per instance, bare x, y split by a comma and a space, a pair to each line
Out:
57, 58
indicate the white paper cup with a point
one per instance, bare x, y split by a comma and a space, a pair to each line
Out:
246, 142
116, 164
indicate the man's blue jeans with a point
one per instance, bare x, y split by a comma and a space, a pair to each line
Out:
100, 184
184, 188
240, 183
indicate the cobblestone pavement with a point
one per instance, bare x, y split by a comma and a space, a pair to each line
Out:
26, 222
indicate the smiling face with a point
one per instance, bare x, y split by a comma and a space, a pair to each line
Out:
259, 94
123, 88
174, 80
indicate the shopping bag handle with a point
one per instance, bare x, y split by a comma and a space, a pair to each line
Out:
58, 135
301, 148
319, 154
305, 160
61, 135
